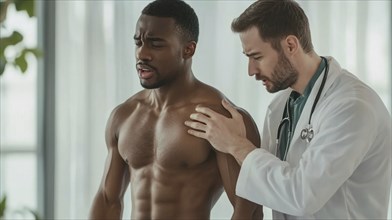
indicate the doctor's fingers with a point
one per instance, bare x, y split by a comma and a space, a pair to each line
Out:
200, 117
198, 134
199, 126
229, 107
207, 111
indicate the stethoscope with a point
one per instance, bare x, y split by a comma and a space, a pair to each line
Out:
307, 133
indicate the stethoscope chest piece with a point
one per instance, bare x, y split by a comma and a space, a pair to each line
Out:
307, 133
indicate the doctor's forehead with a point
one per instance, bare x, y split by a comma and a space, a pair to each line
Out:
252, 41
154, 26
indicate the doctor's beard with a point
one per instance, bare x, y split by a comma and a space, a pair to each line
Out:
283, 76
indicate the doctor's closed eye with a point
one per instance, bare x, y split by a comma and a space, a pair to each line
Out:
258, 58
255, 55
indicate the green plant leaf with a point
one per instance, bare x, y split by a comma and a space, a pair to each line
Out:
3, 9
21, 62
26, 5
3, 206
37, 53
35, 213
14, 39
3, 62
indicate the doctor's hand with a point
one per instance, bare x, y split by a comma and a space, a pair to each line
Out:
227, 135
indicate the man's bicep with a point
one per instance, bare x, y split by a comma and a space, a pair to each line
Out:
228, 166
116, 173
115, 179
108, 201
229, 171
116, 176
252, 132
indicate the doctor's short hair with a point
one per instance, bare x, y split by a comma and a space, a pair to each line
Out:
184, 16
275, 20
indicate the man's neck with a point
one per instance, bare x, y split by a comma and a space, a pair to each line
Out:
307, 66
173, 93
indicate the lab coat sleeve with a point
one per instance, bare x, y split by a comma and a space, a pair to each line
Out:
345, 135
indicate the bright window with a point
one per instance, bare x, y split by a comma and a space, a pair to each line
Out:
18, 122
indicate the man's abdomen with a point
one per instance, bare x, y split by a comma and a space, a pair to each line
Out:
159, 193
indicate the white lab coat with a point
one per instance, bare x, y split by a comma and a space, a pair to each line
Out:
343, 173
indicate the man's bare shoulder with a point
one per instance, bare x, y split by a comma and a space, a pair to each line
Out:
131, 103
213, 99
125, 109
214, 102
208, 96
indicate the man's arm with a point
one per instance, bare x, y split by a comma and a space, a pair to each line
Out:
229, 169
243, 209
108, 202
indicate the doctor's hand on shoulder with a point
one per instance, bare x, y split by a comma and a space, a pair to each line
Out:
227, 135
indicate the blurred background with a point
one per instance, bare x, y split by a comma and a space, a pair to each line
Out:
66, 64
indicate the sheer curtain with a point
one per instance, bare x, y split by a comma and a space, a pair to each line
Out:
95, 71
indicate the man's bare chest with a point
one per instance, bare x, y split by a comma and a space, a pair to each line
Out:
146, 137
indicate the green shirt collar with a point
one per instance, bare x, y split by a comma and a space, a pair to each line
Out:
314, 78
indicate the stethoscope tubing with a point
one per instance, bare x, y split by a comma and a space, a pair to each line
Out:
308, 130
320, 89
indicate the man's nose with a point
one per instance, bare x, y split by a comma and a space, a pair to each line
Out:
252, 67
143, 53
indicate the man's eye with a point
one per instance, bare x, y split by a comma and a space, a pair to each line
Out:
156, 44
258, 58
138, 43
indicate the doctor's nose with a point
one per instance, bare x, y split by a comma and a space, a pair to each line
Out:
143, 53
252, 68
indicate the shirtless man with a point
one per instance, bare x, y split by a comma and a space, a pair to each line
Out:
173, 175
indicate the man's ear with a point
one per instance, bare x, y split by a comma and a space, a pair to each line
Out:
291, 45
189, 49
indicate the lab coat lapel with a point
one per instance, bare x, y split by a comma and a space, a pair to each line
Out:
300, 145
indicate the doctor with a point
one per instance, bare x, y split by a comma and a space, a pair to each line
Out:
326, 144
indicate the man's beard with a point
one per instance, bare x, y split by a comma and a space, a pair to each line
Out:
283, 76
152, 86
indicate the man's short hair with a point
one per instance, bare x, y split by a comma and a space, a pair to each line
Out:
183, 14
275, 20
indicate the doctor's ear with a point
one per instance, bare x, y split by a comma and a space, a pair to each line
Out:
189, 49
291, 44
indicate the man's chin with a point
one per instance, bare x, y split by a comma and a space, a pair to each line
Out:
147, 86
271, 89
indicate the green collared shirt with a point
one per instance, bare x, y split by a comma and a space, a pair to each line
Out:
296, 105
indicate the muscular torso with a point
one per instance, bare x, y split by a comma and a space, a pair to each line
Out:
173, 174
